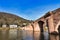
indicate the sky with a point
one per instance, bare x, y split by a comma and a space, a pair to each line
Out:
29, 9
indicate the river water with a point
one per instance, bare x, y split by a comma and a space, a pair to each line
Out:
26, 35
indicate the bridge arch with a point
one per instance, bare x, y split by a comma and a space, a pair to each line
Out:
57, 26
41, 25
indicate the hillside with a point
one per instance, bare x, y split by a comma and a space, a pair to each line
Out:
8, 19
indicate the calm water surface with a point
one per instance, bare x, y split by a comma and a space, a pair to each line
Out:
26, 35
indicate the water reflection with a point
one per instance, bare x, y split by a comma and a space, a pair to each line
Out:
44, 36
54, 37
36, 35
26, 35
41, 36
3, 35
12, 34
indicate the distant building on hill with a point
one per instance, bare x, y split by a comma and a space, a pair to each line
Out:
13, 26
4, 26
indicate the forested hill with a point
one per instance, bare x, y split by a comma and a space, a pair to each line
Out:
8, 19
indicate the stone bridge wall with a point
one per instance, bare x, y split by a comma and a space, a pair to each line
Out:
53, 22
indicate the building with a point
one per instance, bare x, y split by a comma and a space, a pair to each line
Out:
13, 26
4, 26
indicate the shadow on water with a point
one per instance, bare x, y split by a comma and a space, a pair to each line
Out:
44, 36
41, 36
54, 37
59, 36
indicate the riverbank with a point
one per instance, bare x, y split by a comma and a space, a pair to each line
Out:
4, 28
22, 28
19, 28
7, 28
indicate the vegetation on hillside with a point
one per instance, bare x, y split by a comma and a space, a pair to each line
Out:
8, 19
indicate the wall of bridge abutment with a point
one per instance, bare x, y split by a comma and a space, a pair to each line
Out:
36, 26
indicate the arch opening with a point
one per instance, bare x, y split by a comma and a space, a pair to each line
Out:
47, 25
41, 25
59, 29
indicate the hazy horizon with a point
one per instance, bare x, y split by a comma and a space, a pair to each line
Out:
29, 9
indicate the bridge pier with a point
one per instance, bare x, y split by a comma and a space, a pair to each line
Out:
36, 27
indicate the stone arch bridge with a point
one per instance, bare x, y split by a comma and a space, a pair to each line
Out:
51, 20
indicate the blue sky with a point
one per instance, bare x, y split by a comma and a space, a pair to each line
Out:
29, 9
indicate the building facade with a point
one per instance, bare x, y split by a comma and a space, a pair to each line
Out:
13, 26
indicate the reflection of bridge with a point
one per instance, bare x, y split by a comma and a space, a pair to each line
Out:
51, 20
